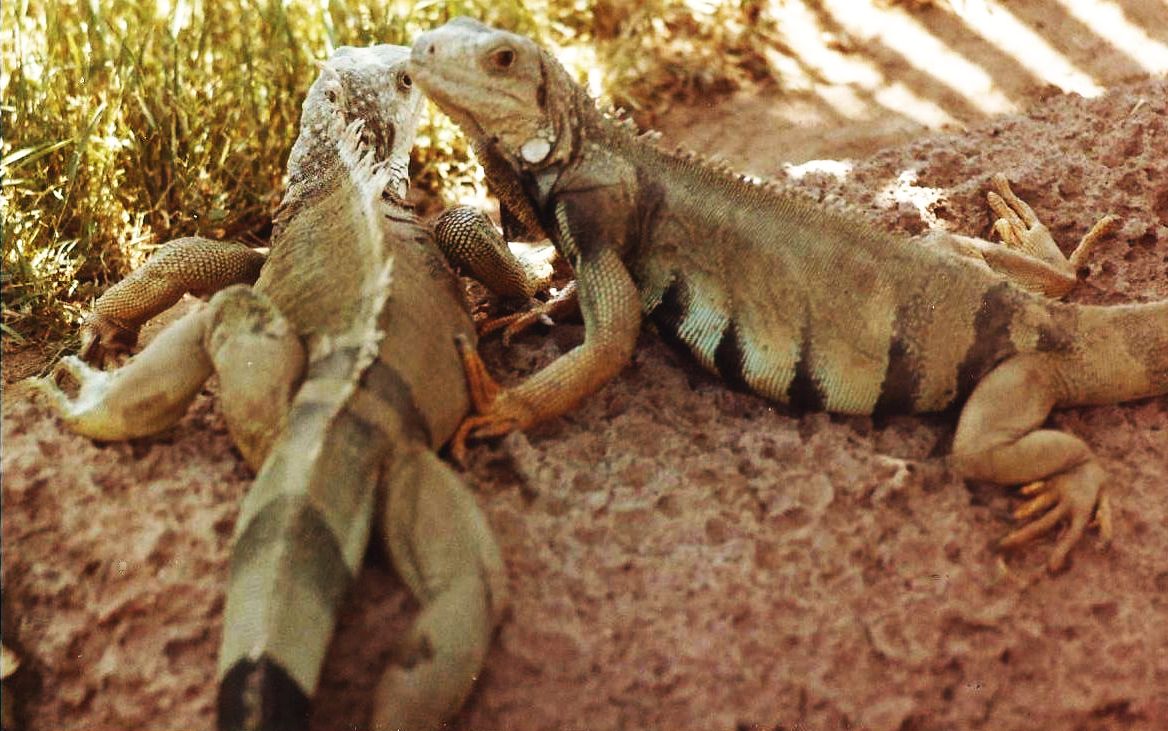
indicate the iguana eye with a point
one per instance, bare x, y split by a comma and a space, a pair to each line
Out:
503, 58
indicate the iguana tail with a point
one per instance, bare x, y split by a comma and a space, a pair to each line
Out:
1115, 353
299, 540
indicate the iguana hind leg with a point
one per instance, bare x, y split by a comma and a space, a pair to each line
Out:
1027, 254
193, 264
442, 546
999, 439
260, 362
239, 334
148, 394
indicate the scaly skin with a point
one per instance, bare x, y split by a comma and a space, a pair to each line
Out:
338, 378
763, 286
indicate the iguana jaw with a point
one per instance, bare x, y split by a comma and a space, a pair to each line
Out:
454, 63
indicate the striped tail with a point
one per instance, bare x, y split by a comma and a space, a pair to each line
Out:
1118, 353
299, 540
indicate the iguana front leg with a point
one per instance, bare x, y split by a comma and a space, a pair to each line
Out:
1028, 254
442, 547
999, 439
193, 264
611, 309
472, 245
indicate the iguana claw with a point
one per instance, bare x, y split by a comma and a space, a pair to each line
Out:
497, 415
560, 305
1074, 497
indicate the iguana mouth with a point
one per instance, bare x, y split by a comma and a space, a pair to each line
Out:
430, 82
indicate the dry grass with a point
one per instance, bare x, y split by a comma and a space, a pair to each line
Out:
131, 122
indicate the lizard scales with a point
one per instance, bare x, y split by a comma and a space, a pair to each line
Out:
338, 378
805, 303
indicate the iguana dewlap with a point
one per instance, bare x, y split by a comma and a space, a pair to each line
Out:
338, 377
804, 303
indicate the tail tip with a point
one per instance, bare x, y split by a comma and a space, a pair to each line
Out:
259, 695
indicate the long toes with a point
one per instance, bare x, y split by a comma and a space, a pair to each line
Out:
519, 325
1039, 504
1103, 520
1004, 211
476, 428
1002, 186
489, 426
458, 441
483, 388
1042, 525
1034, 488
1062, 548
1009, 235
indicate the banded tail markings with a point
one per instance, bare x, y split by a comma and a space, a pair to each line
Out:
288, 576
260, 694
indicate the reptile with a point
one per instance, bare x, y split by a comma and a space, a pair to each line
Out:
803, 302
338, 378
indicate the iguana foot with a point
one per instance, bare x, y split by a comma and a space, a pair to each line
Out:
563, 303
1042, 266
498, 413
1073, 497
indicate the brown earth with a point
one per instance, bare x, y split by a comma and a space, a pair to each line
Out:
682, 555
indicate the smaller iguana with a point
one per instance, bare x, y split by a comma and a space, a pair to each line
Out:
338, 378
807, 304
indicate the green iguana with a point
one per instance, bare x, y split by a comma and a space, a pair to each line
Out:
804, 303
338, 378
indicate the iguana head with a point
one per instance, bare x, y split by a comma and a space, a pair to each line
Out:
371, 85
502, 90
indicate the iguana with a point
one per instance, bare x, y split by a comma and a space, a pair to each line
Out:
338, 378
804, 303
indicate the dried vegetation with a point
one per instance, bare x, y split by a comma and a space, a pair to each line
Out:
131, 122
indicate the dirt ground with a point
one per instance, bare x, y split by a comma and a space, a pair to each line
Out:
681, 555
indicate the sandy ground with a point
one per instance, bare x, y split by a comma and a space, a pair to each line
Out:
681, 555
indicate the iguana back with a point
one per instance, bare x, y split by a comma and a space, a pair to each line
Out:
803, 302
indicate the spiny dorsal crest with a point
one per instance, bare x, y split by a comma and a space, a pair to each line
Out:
368, 176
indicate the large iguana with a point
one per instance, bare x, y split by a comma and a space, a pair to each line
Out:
804, 303
338, 377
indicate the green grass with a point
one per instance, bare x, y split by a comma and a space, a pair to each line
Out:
127, 123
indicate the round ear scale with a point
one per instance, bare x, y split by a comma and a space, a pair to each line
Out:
536, 149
